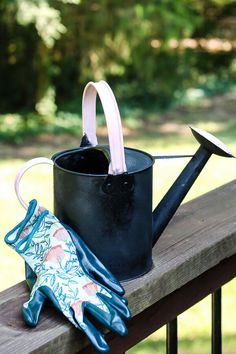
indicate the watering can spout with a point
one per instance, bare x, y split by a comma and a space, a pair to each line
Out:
169, 204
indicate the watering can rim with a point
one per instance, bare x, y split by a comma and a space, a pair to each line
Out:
64, 152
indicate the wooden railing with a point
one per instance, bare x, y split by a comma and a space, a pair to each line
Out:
194, 257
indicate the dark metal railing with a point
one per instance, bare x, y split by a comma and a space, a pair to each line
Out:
216, 332
216, 336
172, 337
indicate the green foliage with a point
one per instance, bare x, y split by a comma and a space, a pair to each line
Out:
46, 107
15, 128
46, 19
136, 46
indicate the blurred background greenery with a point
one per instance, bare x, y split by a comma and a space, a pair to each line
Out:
155, 55
169, 63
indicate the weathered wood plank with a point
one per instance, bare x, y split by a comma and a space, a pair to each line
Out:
202, 234
52, 331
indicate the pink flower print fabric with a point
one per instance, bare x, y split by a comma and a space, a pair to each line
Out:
61, 234
90, 288
77, 307
55, 255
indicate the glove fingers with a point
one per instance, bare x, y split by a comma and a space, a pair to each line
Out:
47, 292
32, 312
80, 321
103, 276
92, 265
95, 337
117, 303
32, 308
109, 319
67, 311
30, 276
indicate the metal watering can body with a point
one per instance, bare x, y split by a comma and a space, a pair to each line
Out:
113, 214
105, 192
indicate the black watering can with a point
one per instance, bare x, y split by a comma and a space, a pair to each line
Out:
105, 192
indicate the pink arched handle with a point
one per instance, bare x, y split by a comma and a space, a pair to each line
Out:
21, 172
113, 121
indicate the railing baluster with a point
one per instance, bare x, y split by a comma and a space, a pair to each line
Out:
172, 337
216, 337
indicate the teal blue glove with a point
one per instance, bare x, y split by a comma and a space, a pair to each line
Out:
47, 248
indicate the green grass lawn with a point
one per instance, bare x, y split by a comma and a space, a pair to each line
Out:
170, 136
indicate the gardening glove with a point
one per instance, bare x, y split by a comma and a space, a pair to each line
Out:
47, 248
90, 263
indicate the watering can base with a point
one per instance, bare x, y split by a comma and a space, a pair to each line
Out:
128, 276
